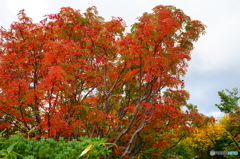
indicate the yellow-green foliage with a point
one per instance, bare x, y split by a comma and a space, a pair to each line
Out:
206, 136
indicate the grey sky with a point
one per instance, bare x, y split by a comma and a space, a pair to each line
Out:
215, 59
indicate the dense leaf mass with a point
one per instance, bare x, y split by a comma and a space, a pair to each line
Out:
74, 74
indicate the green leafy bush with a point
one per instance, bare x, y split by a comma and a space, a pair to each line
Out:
19, 147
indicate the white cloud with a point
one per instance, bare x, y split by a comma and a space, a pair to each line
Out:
217, 114
33, 9
219, 47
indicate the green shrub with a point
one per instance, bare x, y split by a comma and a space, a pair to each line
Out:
19, 147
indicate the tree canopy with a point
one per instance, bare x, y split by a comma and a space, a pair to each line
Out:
74, 74
228, 102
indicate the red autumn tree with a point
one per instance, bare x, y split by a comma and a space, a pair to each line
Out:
74, 74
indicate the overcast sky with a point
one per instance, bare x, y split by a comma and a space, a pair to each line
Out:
215, 59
